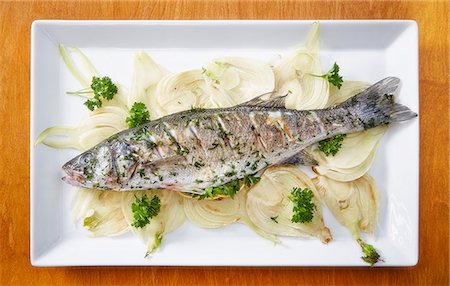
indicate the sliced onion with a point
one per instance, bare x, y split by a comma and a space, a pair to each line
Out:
355, 204
270, 209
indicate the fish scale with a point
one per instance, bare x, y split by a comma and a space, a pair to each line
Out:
193, 150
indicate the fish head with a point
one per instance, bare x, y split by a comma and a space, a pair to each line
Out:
92, 169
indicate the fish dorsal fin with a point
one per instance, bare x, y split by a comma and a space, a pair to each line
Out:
272, 102
301, 158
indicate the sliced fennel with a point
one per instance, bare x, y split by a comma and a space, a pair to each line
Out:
238, 80
245, 219
170, 217
212, 213
354, 204
293, 76
100, 124
100, 211
181, 91
354, 158
146, 75
83, 74
347, 90
222, 83
270, 209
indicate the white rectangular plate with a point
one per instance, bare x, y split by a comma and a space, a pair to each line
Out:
365, 50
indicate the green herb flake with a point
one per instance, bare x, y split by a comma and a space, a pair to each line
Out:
199, 165
230, 173
141, 172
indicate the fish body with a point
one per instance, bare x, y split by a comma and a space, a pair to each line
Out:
192, 150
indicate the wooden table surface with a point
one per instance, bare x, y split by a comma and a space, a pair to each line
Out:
16, 18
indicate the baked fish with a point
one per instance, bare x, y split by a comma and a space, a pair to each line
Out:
192, 150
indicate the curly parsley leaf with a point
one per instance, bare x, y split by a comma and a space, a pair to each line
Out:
138, 115
100, 88
144, 209
331, 145
91, 104
303, 206
103, 87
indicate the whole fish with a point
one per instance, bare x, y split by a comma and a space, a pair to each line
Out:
192, 150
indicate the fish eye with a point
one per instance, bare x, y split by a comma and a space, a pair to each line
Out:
86, 158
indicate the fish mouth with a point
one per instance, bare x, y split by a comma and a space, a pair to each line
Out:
72, 181
74, 178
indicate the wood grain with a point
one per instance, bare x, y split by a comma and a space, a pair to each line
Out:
15, 23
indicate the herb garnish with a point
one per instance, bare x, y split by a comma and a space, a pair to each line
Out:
332, 76
229, 190
101, 88
331, 145
138, 115
143, 210
303, 205
251, 180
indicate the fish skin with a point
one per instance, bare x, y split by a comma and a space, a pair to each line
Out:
192, 150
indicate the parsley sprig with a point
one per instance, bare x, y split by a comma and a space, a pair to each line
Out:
331, 145
138, 115
332, 76
144, 209
101, 88
303, 206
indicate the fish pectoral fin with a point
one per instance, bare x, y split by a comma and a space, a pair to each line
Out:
272, 102
165, 161
301, 158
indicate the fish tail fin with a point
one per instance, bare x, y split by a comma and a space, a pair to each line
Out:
376, 106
